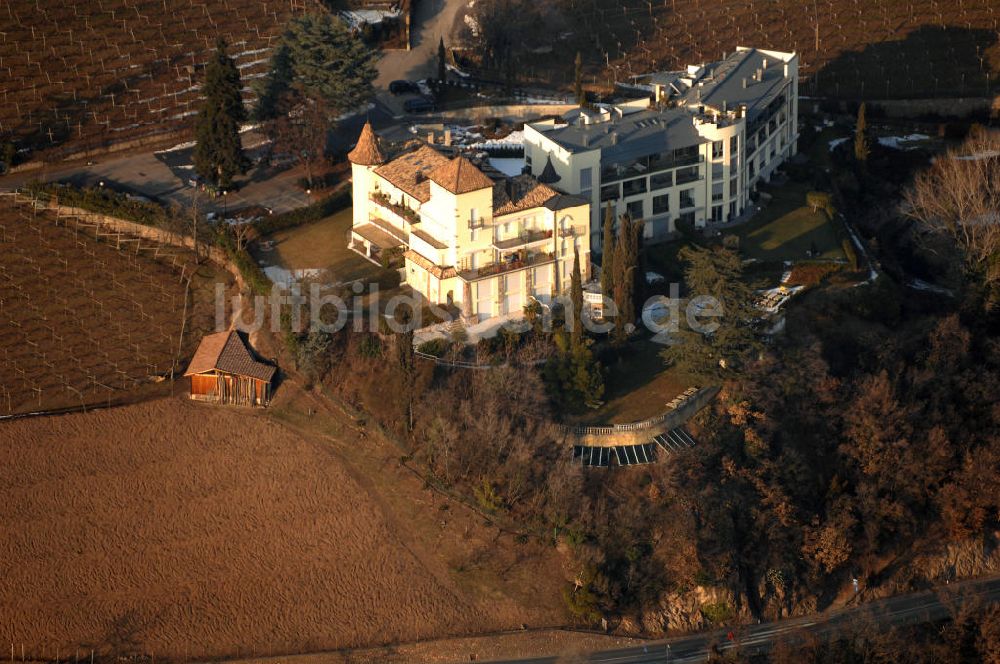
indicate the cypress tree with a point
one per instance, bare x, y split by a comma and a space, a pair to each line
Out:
218, 153
625, 264
442, 69
861, 149
581, 96
576, 298
607, 253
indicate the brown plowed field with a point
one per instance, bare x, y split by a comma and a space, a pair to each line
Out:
179, 530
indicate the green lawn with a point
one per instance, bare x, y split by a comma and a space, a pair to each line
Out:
637, 387
320, 245
787, 229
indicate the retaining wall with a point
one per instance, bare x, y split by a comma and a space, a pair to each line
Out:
642, 432
131, 228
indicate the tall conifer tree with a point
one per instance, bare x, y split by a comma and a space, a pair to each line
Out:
218, 153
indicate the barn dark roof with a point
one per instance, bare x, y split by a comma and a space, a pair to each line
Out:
227, 352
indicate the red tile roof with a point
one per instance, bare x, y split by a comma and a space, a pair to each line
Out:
226, 352
409, 171
460, 176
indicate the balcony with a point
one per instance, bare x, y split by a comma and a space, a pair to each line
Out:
524, 239
524, 259
404, 213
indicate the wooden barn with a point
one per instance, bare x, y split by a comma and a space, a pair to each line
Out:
224, 370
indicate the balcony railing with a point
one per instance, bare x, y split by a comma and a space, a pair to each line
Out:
525, 238
491, 269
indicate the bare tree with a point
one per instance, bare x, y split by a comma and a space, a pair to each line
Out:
959, 196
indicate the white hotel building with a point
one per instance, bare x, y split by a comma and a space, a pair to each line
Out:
469, 235
694, 150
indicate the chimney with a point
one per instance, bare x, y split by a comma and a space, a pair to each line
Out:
745, 83
614, 138
447, 137
764, 64
586, 139
430, 137
760, 75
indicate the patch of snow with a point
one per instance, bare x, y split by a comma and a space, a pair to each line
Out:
989, 154
507, 166
286, 277
356, 18
897, 141
837, 141
456, 70
512, 140
920, 284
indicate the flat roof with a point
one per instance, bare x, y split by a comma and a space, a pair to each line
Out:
723, 82
632, 136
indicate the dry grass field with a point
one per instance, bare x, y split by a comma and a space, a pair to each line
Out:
183, 530
84, 322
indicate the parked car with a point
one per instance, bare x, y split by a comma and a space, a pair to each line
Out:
403, 87
418, 105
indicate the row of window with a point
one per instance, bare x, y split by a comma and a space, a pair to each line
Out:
664, 180
661, 204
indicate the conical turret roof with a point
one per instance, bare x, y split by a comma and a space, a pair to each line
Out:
367, 152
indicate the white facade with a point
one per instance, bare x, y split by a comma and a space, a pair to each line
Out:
469, 236
694, 151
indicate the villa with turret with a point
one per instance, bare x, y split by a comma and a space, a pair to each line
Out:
469, 236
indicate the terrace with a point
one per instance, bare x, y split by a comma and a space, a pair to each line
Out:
401, 212
525, 238
518, 261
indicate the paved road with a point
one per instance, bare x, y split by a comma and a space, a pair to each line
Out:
164, 175
432, 20
902, 610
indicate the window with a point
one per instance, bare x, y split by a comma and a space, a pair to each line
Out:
732, 210
717, 149
733, 188
637, 186
716, 213
647, 231
661, 204
661, 180
586, 178
734, 146
717, 192
473, 233
687, 219
636, 210
751, 168
689, 174
527, 159
687, 198
773, 150
611, 192
474, 218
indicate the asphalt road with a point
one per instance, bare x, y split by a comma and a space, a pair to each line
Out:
927, 606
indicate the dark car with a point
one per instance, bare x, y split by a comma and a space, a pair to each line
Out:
421, 105
403, 87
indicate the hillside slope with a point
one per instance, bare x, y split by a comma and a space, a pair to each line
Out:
111, 70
